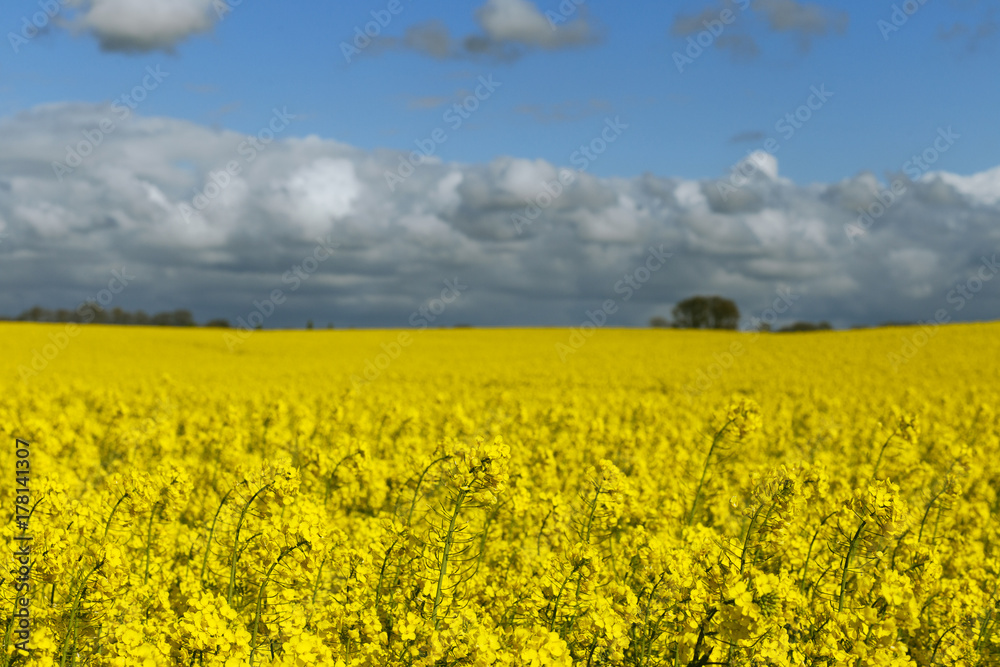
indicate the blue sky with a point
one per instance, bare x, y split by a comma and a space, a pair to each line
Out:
891, 94
888, 94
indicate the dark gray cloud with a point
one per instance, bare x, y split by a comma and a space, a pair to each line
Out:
509, 29
747, 136
566, 111
730, 25
805, 21
972, 34
740, 47
60, 240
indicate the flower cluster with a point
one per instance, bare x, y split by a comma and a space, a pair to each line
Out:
745, 416
481, 471
192, 507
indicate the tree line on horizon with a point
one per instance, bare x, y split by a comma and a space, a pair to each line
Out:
697, 312
716, 312
93, 313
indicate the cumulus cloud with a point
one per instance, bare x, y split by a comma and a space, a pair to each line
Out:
147, 25
974, 34
805, 21
520, 21
121, 207
734, 32
509, 29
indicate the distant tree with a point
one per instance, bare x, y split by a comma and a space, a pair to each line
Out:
119, 316
309, 325
90, 311
329, 325
183, 318
706, 312
100, 315
34, 314
163, 319
805, 326
658, 322
219, 322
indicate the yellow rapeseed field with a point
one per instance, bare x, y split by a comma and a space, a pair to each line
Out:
501, 497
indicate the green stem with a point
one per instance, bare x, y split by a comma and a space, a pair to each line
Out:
211, 534
381, 573
416, 492
645, 622
333, 475
938, 644
319, 577
74, 615
746, 540
927, 512
448, 541
149, 543
590, 517
805, 565
986, 621
555, 605
847, 564
114, 509
6, 640
236, 543
260, 596
881, 452
704, 472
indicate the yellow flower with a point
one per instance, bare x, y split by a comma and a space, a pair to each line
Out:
745, 415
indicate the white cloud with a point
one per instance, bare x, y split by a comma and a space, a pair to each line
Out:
445, 220
689, 195
320, 192
514, 20
983, 187
521, 21
766, 163
146, 25
510, 28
